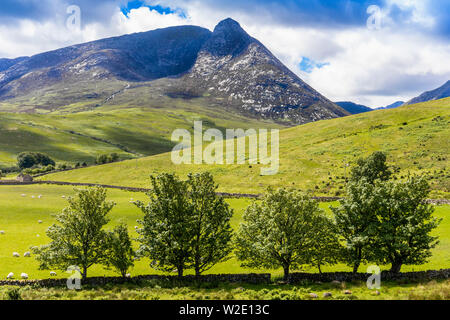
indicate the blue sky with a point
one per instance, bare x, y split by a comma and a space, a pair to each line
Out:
327, 43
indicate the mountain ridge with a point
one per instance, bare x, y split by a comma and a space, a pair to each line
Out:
227, 67
436, 94
353, 108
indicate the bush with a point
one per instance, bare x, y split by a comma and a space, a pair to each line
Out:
27, 160
107, 158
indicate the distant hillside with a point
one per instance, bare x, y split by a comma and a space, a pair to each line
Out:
439, 93
353, 108
393, 105
314, 156
226, 68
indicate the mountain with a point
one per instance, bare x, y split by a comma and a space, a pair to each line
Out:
439, 93
225, 68
353, 108
393, 105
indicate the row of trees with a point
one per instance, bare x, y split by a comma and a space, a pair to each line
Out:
186, 226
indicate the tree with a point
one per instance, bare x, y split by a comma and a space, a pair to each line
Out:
356, 221
120, 254
166, 233
186, 225
78, 237
102, 159
326, 248
212, 232
277, 231
27, 160
405, 222
372, 168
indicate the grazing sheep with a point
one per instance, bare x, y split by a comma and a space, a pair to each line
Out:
16, 255
39, 221
27, 254
10, 275
23, 195
32, 197
63, 197
39, 196
38, 235
52, 273
128, 275
2, 232
24, 275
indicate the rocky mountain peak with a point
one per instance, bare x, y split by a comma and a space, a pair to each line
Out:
228, 38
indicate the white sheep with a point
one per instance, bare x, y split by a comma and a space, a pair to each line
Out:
16, 255
2, 231
39, 221
27, 254
52, 273
23, 195
128, 275
39, 196
10, 275
24, 275
32, 197
63, 197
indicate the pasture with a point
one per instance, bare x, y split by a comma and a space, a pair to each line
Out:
21, 209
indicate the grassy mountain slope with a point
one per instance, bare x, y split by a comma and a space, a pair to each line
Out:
313, 156
125, 124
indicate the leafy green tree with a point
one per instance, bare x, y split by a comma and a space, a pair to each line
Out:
372, 168
326, 248
185, 224
102, 159
405, 222
120, 254
166, 233
277, 231
27, 160
212, 232
356, 221
78, 237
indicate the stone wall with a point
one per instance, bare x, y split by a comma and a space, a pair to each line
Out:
385, 276
252, 278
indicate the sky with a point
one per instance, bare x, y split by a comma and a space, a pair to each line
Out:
372, 52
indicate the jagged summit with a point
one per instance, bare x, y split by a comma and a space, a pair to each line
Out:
228, 38
225, 68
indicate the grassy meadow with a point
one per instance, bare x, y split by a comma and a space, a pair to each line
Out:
153, 290
19, 216
314, 156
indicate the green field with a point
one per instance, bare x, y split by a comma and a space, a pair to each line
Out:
314, 156
19, 216
126, 125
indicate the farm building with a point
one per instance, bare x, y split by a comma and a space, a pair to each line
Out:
24, 178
